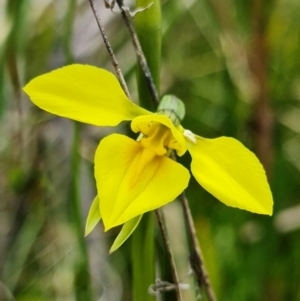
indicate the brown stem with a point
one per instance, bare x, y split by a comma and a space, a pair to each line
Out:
109, 49
139, 52
262, 116
197, 262
196, 258
169, 253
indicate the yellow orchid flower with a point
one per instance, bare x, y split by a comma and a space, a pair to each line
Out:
134, 177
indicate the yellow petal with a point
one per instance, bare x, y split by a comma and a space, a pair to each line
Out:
94, 216
231, 173
143, 124
83, 93
124, 234
131, 181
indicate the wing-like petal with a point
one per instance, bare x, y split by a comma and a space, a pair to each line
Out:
131, 180
94, 216
231, 173
126, 231
83, 93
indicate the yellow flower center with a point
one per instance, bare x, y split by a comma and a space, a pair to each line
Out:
159, 134
158, 138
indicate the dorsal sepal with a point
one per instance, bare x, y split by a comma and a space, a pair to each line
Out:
172, 107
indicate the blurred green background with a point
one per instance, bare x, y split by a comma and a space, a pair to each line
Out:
236, 66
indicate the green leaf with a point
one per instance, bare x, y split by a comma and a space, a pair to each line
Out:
148, 28
94, 216
126, 231
143, 262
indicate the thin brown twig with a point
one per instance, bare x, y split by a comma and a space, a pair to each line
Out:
263, 117
139, 52
169, 253
124, 86
196, 258
197, 262
109, 49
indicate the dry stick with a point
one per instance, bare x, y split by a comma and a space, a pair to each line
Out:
143, 63
196, 258
139, 52
169, 253
263, 116
109, 49
124, 86
197, 261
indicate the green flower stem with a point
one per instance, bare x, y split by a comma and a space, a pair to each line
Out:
143, 237
169, 253
148, 28
144, 27
148, 25
200, 272
143, 263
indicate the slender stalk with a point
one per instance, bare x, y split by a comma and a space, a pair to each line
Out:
139, 52
140, 263
144, 236
147, 24
196, 258
109, 49
262, 114
169, 253
197, 262
143, 258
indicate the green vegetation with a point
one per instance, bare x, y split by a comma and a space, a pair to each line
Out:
235, 65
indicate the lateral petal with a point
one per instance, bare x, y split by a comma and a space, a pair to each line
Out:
231, 173
125, 232
94, 216
83, 93
132, 181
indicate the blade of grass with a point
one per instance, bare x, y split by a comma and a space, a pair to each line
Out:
142, 246
20, 249
148, 28
82, 283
